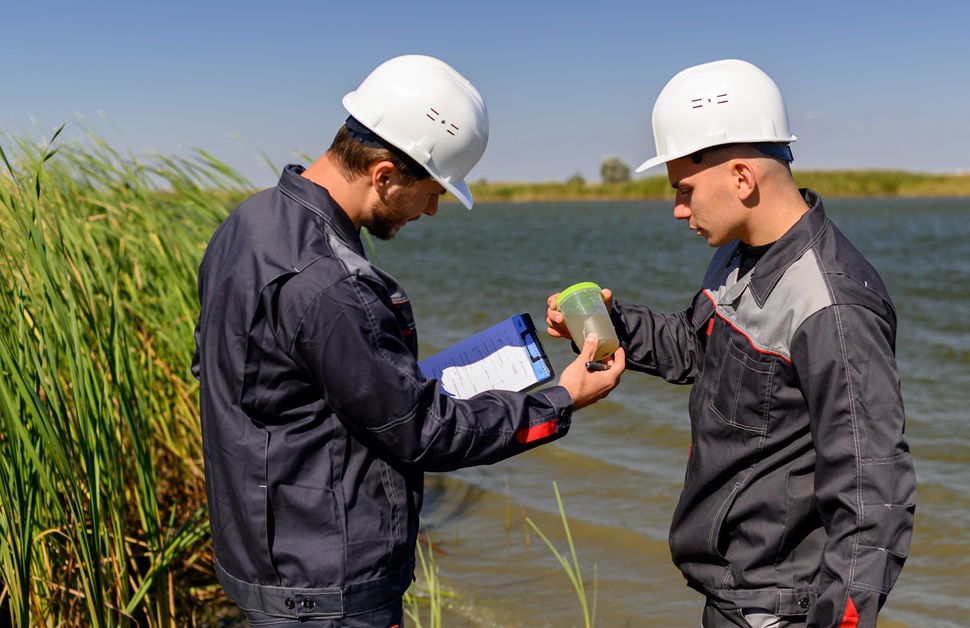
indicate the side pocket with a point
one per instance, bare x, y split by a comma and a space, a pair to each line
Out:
716, 542
396, 494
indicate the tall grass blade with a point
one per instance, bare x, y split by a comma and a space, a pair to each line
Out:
572, 569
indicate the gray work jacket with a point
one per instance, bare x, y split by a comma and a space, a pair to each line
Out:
800, 491
317, 423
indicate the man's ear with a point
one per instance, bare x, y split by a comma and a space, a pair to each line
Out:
745, 179
383, 174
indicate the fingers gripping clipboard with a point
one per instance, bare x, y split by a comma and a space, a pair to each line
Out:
506, 356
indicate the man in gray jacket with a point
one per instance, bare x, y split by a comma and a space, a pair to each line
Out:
798, 501
317, 423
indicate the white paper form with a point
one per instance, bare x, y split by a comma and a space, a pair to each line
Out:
497, 358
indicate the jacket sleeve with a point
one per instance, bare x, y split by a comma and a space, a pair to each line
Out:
352, 346
865, 483
658, 344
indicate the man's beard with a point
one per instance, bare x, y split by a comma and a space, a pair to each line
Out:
386, 215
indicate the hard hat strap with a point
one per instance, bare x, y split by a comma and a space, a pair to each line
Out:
771, 149
778, 151
363, 135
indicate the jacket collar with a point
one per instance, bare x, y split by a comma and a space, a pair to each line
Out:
789, 248
317, 199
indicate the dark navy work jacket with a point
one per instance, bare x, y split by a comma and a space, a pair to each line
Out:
317, 423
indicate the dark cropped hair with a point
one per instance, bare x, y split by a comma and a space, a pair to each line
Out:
354, 157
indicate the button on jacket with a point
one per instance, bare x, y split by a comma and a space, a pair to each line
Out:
800, 490
317, 424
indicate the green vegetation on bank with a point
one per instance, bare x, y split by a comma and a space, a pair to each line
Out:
831, 184
102, 500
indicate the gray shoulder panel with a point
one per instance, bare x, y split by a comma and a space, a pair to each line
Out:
801, 292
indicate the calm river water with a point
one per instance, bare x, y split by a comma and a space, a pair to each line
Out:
620, 468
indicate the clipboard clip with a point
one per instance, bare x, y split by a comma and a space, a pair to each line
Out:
532, 345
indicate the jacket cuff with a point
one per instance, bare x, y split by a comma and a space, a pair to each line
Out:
555, 425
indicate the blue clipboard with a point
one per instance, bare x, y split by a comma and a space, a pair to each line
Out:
506, 356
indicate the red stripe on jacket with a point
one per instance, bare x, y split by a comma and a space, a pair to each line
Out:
535, 432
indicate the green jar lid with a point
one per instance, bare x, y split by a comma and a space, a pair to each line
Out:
584, 285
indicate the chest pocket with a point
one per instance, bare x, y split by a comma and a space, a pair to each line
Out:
400, 305
742, 394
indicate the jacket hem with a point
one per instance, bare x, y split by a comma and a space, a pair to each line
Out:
317, 603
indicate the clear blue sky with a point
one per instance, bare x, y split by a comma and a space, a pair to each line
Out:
567, 84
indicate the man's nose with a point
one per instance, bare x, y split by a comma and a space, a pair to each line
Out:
432, 207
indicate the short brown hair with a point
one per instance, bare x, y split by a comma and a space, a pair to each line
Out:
353, 158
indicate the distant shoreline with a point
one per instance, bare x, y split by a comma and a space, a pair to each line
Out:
830, 184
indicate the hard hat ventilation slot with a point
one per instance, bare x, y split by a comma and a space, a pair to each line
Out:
434, 115
720, 99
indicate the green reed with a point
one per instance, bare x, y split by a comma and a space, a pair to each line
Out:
572, 569
427, 592
101, 489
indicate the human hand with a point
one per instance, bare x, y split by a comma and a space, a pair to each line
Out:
557, 322
586, 387
607, 298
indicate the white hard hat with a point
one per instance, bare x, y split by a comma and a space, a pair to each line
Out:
723, 102
424, 107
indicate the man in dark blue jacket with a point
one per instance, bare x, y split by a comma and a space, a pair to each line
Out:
798, 501
317, 423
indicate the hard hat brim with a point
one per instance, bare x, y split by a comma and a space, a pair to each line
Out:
656, 161
459, 190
